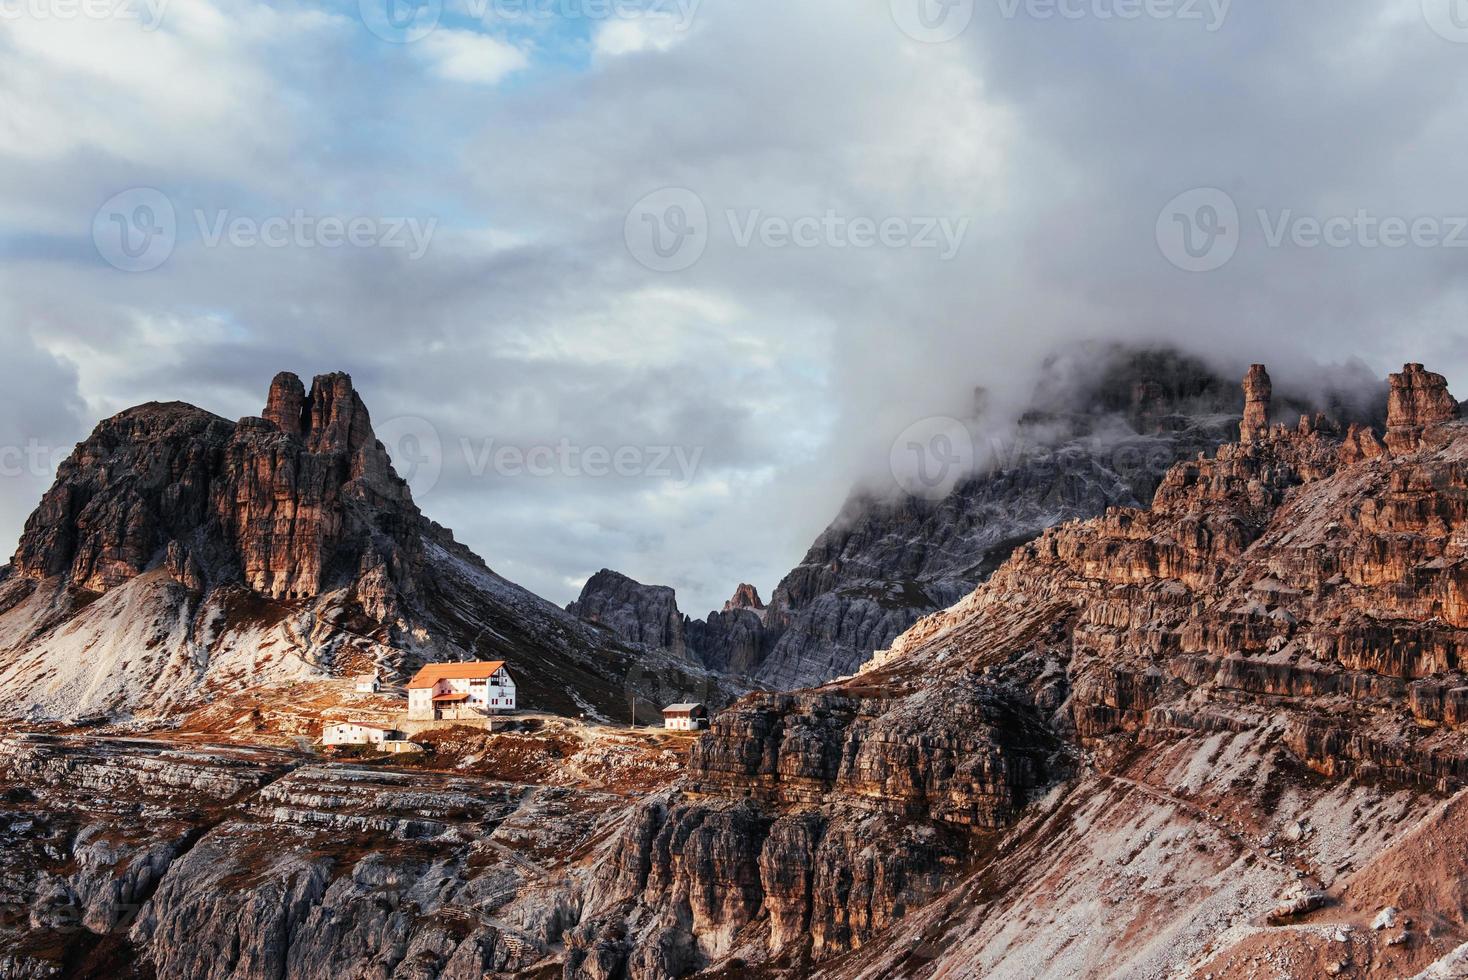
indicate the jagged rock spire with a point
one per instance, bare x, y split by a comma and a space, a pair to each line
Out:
285, 407
332, 418
1258, 392
1419, 399
745, 597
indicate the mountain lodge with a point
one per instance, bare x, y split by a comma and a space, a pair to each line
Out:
460, 691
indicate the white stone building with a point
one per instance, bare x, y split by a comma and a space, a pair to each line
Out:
685, 717
356, 733
460, 691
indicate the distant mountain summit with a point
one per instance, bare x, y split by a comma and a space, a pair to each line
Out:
181, 556
1103, 425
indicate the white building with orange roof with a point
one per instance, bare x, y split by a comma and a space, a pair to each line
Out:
460, 691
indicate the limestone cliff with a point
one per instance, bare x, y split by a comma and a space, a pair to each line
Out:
1157, 732
1219, 735
179, 555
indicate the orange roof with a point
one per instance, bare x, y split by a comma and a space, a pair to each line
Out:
431, 674
452, 697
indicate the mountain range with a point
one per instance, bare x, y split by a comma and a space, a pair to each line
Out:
1214, 733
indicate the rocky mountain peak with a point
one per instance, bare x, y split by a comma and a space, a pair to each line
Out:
1419, 399
290, 505
745, 597
179, 555
330, 418
285, 408
637, 613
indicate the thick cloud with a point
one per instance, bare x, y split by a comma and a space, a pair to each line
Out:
1041, 151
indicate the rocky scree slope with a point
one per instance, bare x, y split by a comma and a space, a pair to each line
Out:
180, 556
143, 858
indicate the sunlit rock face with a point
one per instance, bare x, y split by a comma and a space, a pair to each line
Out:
1200, 713
1419, 400
1191, 738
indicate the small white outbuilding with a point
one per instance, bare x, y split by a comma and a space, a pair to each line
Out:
355, 733
687, 717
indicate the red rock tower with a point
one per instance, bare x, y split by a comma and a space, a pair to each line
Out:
1419, 399
285, 408
1258, 392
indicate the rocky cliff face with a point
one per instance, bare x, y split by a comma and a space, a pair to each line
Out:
1419, 399
1168, 733
1221, 735
645, 614
179, 555
290, 506
731, 642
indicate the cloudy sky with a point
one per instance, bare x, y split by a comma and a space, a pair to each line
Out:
648, 285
